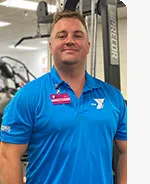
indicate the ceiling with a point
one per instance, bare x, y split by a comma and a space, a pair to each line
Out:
23, 26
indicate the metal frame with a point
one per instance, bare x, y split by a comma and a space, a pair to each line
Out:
108, 11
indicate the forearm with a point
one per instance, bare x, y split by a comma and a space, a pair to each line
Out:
122, 169
11, 171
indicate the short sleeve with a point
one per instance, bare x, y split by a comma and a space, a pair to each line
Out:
18, 118
121, 133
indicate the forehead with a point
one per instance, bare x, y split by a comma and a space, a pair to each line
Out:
69, 24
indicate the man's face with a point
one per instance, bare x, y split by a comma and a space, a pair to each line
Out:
69, 43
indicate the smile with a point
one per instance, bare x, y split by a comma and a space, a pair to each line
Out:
69, 50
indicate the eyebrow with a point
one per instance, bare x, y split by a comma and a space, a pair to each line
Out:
63, 31
59, 32
78, 31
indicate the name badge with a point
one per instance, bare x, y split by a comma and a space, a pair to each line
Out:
60, 98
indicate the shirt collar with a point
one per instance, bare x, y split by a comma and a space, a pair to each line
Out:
90, 83
55, 76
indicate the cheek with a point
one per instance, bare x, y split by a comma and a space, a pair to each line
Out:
56, 47
86, 49
53, 48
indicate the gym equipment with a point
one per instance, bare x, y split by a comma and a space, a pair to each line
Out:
11, 78
37, 36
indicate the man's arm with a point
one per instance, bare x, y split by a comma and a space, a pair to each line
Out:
10, 163
122, 163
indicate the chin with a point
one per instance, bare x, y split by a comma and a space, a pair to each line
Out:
68, 62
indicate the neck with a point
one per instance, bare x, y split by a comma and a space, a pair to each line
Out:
75, 79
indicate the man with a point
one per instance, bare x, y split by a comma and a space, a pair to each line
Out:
66, 118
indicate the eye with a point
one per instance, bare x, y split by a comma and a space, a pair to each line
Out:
61, 36
78, 36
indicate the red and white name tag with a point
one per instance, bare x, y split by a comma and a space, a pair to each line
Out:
60, 98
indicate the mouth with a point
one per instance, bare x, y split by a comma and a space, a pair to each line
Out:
69, 50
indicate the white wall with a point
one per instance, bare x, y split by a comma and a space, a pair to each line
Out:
32, 59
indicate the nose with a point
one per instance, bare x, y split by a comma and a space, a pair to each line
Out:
69, 40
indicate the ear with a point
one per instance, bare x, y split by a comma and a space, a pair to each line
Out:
88, 50
50, 47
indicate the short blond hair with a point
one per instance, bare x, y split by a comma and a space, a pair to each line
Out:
67, 14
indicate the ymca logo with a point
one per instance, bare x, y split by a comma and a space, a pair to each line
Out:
99, 102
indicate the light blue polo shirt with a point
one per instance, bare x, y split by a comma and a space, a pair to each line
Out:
68, 143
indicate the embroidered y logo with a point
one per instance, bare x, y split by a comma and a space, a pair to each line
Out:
100, 103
